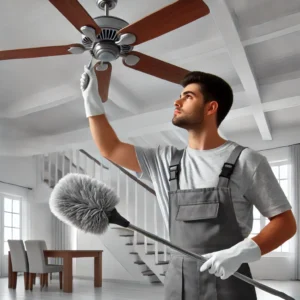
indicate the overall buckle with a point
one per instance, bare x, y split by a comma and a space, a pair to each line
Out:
174, 170
227, 170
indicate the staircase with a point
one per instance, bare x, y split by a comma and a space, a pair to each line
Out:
145, 259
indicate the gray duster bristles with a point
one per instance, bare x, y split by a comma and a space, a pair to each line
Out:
82, 201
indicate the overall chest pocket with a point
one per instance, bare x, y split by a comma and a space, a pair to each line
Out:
197, 212
197, 205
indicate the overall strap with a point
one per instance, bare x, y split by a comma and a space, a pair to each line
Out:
174, 170
228, 166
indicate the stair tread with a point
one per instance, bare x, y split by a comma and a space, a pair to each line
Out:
138, 243
133, 252
162, 263
147, 271
126, 235
139, 262
123, 228
149, 274
153, 252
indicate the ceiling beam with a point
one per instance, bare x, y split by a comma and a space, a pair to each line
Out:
145, 142
124, 128
163, 117
123, 97
270, 30
180, 136
281, 139
168, 141
118, 94
222, 134
41, 101
134, 141
163, 137
248, 35
225, 22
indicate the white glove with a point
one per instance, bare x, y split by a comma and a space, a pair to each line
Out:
92, 102
226, 262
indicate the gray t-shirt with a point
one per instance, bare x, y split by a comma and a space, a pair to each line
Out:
252, 182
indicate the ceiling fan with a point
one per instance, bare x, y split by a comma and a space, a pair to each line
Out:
107, 38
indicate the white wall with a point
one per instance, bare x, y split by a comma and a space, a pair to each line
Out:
18, 170
111, 268
37, 217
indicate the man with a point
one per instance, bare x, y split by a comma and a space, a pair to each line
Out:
208, 189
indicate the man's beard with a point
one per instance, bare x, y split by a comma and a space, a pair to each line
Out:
188, 122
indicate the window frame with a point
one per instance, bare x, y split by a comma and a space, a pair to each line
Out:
264, 220
12, 197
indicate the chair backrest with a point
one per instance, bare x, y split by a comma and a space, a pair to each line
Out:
18, 256
44, 245
36, 258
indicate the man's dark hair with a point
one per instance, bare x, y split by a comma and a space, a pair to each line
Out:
213, 88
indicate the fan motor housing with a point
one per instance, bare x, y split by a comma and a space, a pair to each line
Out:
105, 49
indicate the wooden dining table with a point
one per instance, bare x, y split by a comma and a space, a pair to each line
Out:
67, 256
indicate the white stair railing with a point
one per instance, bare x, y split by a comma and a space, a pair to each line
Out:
145, 221
136, 197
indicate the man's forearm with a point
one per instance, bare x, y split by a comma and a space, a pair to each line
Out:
103, 134
280, 229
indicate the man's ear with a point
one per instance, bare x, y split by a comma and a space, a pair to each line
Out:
212, 107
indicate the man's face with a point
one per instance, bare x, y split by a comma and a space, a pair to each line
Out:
189, 108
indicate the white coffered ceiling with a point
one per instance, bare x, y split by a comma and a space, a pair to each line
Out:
254, 45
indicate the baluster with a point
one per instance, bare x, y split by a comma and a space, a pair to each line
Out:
155, 230
93, 169
127, 197
63, 164
56, 168
101, 176
38, 177
109, 175
165, 237
85, 165
71, 161
77, 161
42, 166
49, 169
135, 212
118, 182
145, 221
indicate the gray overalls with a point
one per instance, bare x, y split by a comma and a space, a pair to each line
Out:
203, 221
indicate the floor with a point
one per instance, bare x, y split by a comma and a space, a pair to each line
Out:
83, 289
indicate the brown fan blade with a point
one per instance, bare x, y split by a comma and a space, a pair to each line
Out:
157, 68
166, 19
103, 81
76, 14
36, 52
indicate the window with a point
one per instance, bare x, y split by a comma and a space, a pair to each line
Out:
281, 172
12, 221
